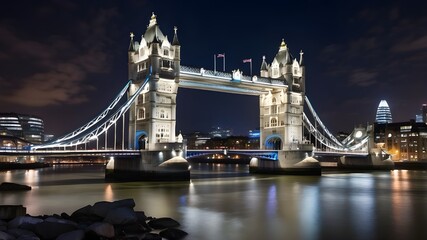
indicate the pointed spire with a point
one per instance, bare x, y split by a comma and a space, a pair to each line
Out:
301, 59
283, 45
175, 41
153, 20
264, 64
131, 44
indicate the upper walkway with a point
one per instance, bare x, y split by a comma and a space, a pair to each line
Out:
199, 78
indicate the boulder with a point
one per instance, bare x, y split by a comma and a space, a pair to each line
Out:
60, 220
18, 221
102, 229
162, 223
84, 211
121, 216
51, 230
151, 236
8, 186
173, 234
141, 216
73, 235
102, 208
133, 229
85, 215
20, 233
6, 236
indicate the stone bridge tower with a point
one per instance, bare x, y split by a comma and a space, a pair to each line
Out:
152, 117
281, 125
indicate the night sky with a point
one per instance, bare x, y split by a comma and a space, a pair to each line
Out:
65, 61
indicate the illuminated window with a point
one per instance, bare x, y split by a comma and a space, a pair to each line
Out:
141, 99
274, 109
274, 122
141, 113
162, 113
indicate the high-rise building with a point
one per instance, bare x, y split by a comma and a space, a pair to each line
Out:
422, 117
424, 112
23, 126
383, 113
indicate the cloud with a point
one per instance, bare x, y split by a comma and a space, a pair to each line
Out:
54, 69
407, 45
363, 78
61, 85
382, 43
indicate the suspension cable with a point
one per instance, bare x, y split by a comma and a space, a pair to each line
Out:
73, 141
96, 119
317, 119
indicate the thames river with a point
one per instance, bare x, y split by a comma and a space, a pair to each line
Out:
224, 201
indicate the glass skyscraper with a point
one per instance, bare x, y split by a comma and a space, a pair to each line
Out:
383, 113
26, 127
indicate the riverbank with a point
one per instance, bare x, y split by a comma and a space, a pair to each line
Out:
422, 165
13, 165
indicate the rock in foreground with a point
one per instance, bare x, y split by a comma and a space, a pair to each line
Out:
8, 186
103, 220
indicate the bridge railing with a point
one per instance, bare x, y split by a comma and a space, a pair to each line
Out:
204, 72
229, 76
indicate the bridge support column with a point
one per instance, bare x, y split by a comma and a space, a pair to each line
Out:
376, 159
165, 163
294, 160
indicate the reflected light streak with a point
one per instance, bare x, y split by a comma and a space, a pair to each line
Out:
218, 223
192, 195
8, 176
31, 176
109, 194
401, 203
362, 205
309, 212
272, 201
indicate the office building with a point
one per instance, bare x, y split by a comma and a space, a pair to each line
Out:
26, 127
404, 140
383, 113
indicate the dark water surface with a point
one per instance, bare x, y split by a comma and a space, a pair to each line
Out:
224, 201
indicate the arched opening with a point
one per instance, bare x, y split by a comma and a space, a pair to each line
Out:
142, 142
273, 142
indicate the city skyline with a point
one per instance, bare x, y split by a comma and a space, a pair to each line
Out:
71, 68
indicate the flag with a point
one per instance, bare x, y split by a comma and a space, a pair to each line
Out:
249, 60
221, 55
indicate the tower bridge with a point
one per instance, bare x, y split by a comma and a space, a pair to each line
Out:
155, 75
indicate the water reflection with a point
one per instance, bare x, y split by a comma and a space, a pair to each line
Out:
226, 202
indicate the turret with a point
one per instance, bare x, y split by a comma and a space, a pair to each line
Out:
131, 53
177, 53
302, 68
264, 68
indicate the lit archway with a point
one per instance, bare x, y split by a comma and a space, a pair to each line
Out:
141, 140
273, 142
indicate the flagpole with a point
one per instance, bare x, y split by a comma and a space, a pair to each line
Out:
223, 63
214, 63
251, 67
